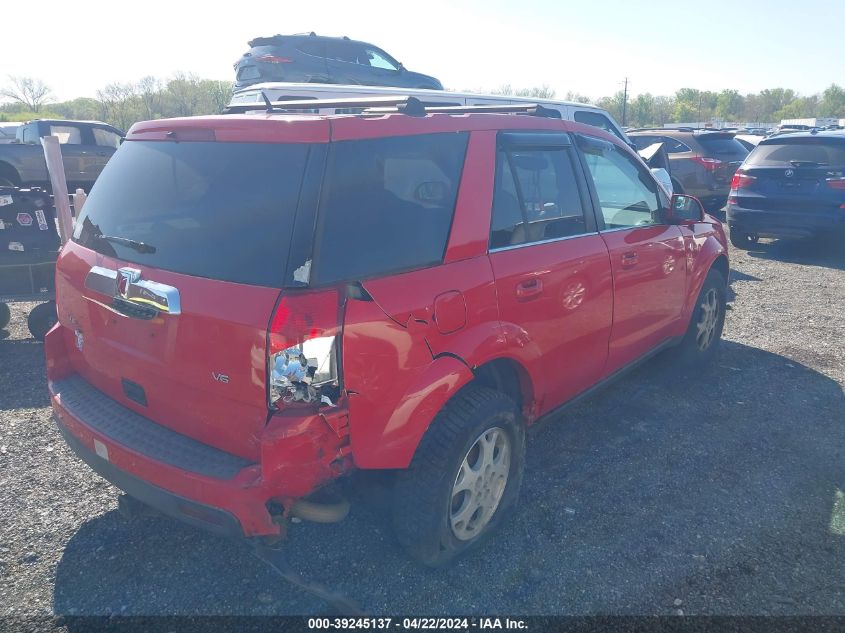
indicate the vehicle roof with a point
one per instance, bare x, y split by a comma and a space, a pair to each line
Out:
307, 36
838, 135
272, 127
677, 132
69, 121
389, 91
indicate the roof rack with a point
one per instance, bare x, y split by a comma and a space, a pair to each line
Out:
411, 106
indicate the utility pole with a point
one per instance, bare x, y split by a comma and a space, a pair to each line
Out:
625, 102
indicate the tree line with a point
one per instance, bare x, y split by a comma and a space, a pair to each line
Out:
122, 104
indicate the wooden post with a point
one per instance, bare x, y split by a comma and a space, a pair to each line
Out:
56, 169
79, 199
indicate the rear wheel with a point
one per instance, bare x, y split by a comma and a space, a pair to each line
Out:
5, 315
743, 240
41, 319
463, 479
708, 320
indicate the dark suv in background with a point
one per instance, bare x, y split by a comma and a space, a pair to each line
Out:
702, 161
312, 58
791, 185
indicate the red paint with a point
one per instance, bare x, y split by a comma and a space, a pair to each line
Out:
565, 314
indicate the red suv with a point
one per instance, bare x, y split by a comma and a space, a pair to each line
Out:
254, 305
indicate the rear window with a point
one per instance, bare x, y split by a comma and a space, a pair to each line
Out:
217, 210
810, 150
387, 205
714, 144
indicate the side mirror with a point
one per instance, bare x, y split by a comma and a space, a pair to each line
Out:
684, 209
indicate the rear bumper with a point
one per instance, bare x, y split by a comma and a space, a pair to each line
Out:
785, 223
199, 515
233, 503
193, 482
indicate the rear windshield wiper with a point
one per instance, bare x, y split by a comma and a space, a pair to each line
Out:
141, 247
806, 163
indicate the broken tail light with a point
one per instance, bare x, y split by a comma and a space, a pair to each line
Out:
303, 349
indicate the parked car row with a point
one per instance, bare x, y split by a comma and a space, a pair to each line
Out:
702, 162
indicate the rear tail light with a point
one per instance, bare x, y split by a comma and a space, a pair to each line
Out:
710, 164
836, 183
302, 354
272, 59
741, 180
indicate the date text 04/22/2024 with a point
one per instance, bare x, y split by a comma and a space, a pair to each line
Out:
433, 624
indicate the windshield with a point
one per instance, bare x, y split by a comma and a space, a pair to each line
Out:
810, 150
217, 210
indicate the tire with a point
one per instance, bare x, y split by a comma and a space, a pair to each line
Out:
427, 523
743, 240
702, 337
5, 315
42, 318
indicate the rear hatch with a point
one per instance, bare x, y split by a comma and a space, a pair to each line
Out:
793, 174
176, 264
726, 149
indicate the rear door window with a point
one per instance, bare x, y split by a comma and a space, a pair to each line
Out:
536, 199
387, 205
67, 134
106, 138
810, 151
674, 146
217, 210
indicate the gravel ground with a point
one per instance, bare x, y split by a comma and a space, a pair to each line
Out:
716, 493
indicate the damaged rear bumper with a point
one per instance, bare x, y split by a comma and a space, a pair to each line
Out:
193, 482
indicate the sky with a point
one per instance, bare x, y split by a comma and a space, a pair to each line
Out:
587, 47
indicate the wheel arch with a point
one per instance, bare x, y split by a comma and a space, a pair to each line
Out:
7, 170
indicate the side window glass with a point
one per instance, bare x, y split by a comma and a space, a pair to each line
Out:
105, 138
597, 119
674, 146
387, 205
67, 134
316, 49
30, 134
342, 51
628, 194
536, 198
378, 60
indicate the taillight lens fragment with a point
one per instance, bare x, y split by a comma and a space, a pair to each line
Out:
303, 355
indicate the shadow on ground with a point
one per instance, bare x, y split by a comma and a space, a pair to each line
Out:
828, 252
714, 488
20, 361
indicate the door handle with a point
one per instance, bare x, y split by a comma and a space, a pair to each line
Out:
630, 259
529, 288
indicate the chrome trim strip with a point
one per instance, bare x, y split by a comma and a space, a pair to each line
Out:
554, 239
144, 292
102, 280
